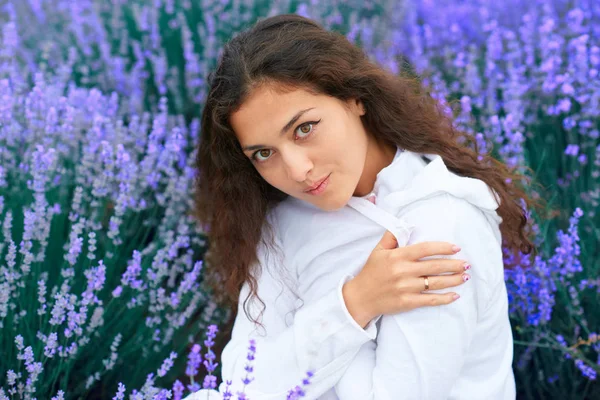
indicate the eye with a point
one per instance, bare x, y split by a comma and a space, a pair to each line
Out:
306, 129
303, 131
262, 155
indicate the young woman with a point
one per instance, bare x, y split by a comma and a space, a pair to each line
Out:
340, 208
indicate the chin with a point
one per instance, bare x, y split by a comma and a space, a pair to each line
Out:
333, 204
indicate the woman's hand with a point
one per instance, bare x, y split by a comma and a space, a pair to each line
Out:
393, 279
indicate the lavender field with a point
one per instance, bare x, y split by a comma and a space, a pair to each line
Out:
102, 285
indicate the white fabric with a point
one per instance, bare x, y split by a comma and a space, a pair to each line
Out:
458, 351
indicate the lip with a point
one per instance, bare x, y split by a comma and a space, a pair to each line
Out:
318, 187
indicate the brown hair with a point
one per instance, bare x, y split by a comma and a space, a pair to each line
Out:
293, 51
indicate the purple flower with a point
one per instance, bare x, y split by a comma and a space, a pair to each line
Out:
120, 393
298, 391
249, 367
194, 387
51, 345
167, 364
164, 394
572, 150
133, 271
227, 393
194, 360
209, 357
60, 395
586, 370
178, 390
117, 291
210, 382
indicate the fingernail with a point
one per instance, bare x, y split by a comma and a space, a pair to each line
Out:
467, 266
455, 248
455, 297
466, 277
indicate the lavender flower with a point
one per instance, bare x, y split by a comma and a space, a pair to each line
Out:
120, 393
178, 390
194, 360
167, 364
90, 149
249, 368
586, 370
298, 391
209, 357
227, 393
572, 150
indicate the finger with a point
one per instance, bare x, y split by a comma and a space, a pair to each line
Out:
427, 249
439, 266
387, 241
430, 299
442, 281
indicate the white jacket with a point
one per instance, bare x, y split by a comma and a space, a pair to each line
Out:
459, 351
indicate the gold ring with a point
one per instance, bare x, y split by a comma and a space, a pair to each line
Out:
426, 282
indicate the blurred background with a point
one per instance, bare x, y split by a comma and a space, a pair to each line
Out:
102, 285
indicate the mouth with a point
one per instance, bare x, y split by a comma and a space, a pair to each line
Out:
319, 186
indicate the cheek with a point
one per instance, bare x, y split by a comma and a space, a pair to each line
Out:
354, 161
275, 177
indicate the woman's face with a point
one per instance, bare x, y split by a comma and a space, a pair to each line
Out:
298, 139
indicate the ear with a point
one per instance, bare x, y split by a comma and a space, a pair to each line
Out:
357, 106
362, 108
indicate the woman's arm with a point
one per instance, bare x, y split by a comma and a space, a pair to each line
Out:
419, 354
322, 337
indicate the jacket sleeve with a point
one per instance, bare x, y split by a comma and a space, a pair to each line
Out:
419, 354
320, 337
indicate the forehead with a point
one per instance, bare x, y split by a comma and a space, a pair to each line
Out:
268, 109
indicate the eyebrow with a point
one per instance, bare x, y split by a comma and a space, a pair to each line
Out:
285, 128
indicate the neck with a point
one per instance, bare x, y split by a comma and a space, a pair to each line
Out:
379, 156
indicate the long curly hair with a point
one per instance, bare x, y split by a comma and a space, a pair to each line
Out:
292, 51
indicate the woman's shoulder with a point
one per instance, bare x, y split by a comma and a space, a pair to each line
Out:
431, 177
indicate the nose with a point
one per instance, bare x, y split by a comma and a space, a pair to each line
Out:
297, 164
